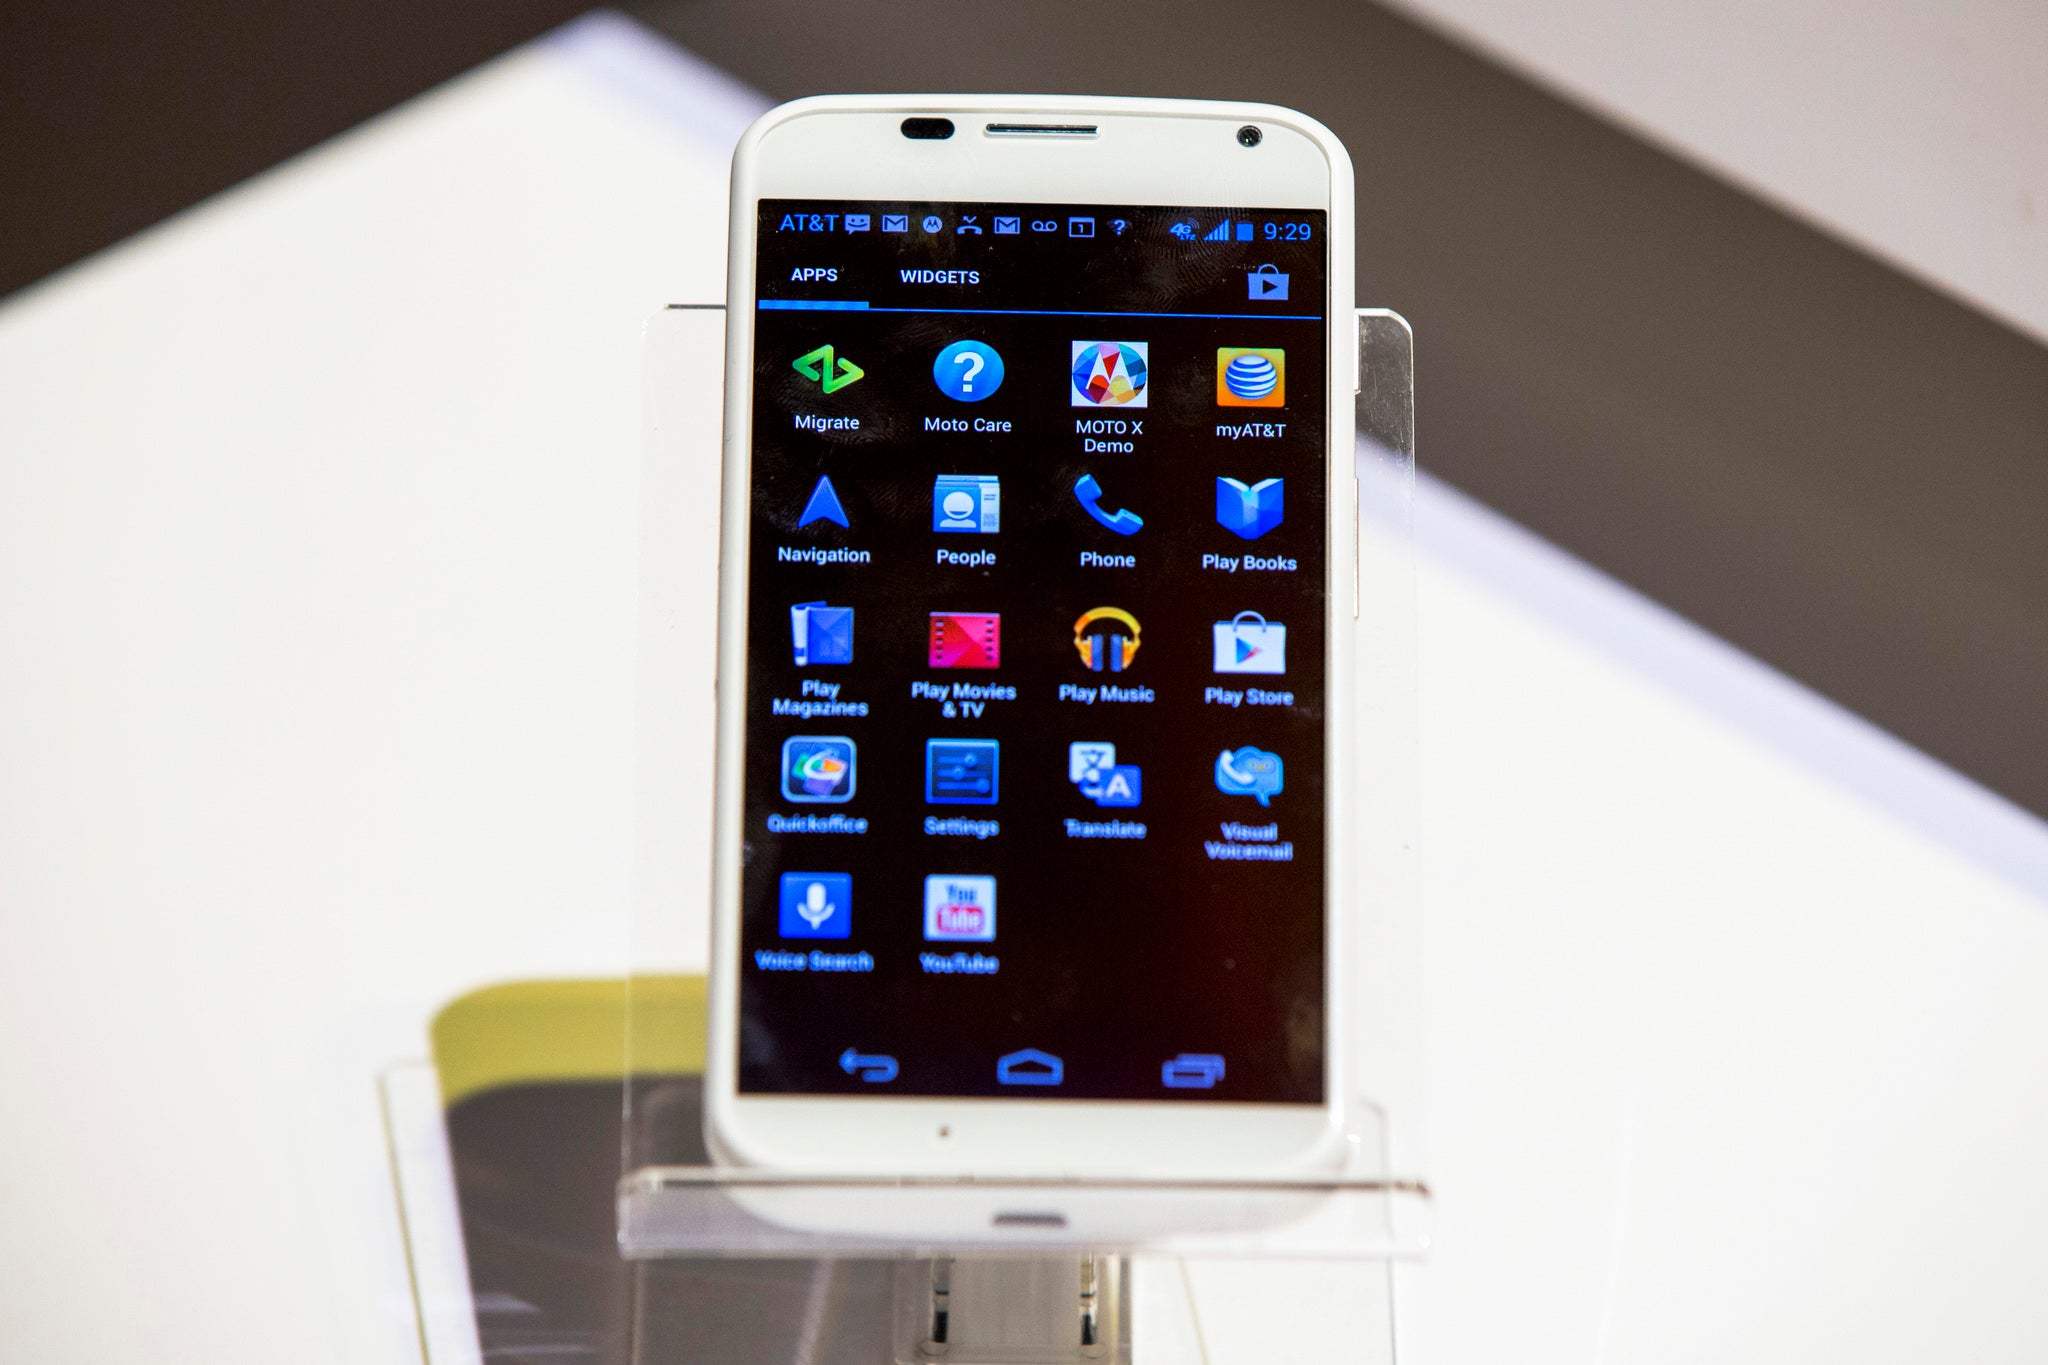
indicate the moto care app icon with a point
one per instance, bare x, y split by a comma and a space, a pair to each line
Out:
960, 909
1251, 377
1108, 374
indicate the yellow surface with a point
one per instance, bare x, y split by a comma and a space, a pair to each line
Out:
532, 1031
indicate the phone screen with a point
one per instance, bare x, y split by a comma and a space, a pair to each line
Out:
1034, 767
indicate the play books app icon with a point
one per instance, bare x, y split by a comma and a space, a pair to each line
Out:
966, 639
821, 634
1249, 510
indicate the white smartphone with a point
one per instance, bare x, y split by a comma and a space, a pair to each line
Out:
1035, 617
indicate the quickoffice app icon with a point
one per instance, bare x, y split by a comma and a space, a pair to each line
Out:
967, 502
828, 371
816, 905
960, 909
966, 639
962, 772
818, 768
1108, 374
1250, 510
1251, 377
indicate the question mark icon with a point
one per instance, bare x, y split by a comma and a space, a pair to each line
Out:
1120, 224
968, 371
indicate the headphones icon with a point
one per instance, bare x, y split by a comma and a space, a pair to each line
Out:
1112, 649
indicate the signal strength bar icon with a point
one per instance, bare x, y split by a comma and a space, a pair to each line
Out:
1219, 233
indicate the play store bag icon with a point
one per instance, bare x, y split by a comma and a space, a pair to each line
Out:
1249, 643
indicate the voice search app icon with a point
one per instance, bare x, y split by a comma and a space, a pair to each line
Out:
816, 905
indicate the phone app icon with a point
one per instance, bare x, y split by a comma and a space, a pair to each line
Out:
967, 502
1249, 643
1092, 767
968, 371
1109, 374
1106, 638
1088, 493
817, 768
1250, 510
830, 371
1251, 377
816, 905
966, 639
960, 909
962, 772
823, 505
1250, 771
821, 634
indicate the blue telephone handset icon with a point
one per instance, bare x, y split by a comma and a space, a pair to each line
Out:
1089, 494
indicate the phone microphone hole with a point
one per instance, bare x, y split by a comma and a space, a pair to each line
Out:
1029, 1218
928, 129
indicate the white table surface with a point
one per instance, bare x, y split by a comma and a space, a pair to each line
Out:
317, 652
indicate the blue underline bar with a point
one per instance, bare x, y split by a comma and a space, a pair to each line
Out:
840, 304
833, 305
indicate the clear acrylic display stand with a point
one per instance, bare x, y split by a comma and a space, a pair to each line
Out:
915, 1268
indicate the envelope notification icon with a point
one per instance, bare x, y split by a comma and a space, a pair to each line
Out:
1008, 226
966, 639
895, 222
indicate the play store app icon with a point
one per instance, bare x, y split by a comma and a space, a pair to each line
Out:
1249, 643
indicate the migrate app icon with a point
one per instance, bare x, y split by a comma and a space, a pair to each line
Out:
829, 371
816, 905
1109, 374
1249, 643
960, 909
1250, 771
966, 639
817, 768
969, 371
1088, 493
1249, 510
962, 772
1251, 377
1106, 638
1092, 767
823, 505
967, 502
821, 634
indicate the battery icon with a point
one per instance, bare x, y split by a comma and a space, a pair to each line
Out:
1244, 231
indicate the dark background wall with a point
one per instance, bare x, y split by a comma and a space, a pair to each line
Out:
1838, 469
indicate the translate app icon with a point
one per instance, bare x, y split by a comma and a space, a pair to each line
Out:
817, 768
1250, 771
1249, 510
1094, 771
816, 905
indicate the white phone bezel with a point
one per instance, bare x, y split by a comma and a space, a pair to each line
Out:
1167, 152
